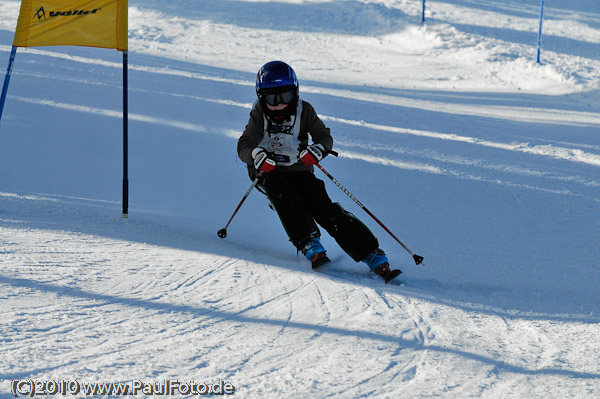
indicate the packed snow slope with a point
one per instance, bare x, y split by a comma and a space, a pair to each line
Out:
478, 158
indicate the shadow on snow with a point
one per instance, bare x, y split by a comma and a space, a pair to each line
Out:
235, 317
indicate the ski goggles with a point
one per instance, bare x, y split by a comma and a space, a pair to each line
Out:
279, 98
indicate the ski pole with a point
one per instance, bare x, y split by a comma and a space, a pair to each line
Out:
418, 259
223, 232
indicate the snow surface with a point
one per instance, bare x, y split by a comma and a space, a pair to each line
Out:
478, 158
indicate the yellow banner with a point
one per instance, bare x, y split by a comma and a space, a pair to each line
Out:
91, 23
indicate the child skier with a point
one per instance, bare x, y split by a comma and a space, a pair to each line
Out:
275, 143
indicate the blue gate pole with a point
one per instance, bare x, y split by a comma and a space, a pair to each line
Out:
11, 61
125, 139
539, 39
423, 14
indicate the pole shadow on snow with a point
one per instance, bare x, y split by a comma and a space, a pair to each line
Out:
499, 366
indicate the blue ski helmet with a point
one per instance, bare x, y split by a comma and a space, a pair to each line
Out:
276, 77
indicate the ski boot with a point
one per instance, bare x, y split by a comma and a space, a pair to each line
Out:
315, 252
379, 264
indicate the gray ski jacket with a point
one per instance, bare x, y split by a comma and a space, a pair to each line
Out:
283, 141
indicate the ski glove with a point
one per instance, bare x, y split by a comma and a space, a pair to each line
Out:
262, 161
312, 154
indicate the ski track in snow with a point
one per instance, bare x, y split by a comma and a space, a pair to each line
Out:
161, 293
490, 164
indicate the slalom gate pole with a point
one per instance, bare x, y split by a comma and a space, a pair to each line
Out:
223, 232
418, 259
539, 38
125, 138
11, 61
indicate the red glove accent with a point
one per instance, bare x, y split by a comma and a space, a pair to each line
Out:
312, 155
268, 165
262, 162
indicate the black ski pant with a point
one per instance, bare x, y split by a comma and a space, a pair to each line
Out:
301, 202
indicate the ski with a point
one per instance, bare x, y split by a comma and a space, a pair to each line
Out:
392, 274
323, 260
320, 260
